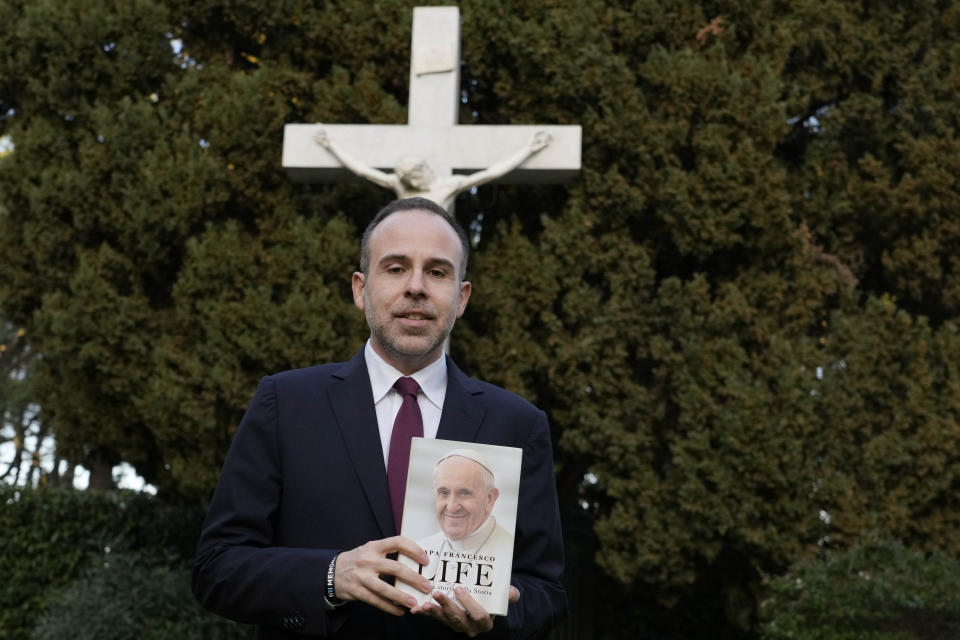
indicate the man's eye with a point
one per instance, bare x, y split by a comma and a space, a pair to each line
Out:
438, 273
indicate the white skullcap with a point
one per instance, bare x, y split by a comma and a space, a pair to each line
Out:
472, 454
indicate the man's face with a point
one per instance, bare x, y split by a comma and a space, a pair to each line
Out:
463, 501
412, 294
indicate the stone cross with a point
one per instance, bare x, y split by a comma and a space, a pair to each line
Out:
432, 133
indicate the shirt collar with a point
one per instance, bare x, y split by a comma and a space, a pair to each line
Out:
432, 378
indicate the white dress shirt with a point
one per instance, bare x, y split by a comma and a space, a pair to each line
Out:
387, 400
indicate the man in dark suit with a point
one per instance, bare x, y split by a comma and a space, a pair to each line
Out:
301, 538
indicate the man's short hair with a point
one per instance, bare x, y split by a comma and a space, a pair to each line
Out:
409, 204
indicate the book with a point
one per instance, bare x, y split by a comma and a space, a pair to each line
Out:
461, 508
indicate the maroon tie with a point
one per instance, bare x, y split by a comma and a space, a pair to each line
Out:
409, 424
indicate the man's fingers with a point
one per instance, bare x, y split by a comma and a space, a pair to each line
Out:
411, 577
445, 607
514, 594
404, 545
446, 610
397, 600
470, 605
387, 567
382, 603
369, 590
479, 620
449, 611
409, 548
358, 574
373, 554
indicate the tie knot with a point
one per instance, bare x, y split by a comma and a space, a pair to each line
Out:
407, 386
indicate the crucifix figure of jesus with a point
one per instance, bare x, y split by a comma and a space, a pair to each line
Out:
432, 156
413, 177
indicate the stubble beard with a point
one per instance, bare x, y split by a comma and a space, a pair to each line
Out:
392, 342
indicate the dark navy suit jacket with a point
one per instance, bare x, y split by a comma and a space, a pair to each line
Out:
304, 479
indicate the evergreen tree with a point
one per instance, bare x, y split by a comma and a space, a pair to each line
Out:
19, 417
741, 317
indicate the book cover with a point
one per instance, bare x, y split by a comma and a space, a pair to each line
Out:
461, 508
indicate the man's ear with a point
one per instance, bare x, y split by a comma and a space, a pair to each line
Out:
493, 495
358, 283
465, 288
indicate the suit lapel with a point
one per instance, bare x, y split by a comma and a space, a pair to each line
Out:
462, 412
352, 402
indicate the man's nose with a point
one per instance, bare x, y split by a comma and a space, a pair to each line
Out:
416, 283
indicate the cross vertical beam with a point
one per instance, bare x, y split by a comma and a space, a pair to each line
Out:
432, 133
434, 67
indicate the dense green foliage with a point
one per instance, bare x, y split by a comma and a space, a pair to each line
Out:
878, 590
742, 314
122, 597
49, 538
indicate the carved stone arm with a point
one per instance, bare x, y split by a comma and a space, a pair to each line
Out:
352, 164
498, 169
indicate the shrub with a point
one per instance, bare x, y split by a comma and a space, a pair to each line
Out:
878, 590
123, 596
50, 538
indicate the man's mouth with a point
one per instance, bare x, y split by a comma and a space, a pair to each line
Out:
414, 317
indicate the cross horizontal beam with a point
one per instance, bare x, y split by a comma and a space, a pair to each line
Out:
459, 148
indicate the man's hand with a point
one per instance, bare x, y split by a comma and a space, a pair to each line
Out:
357, 574
470, 619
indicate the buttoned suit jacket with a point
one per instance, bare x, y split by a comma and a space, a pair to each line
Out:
304, 479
